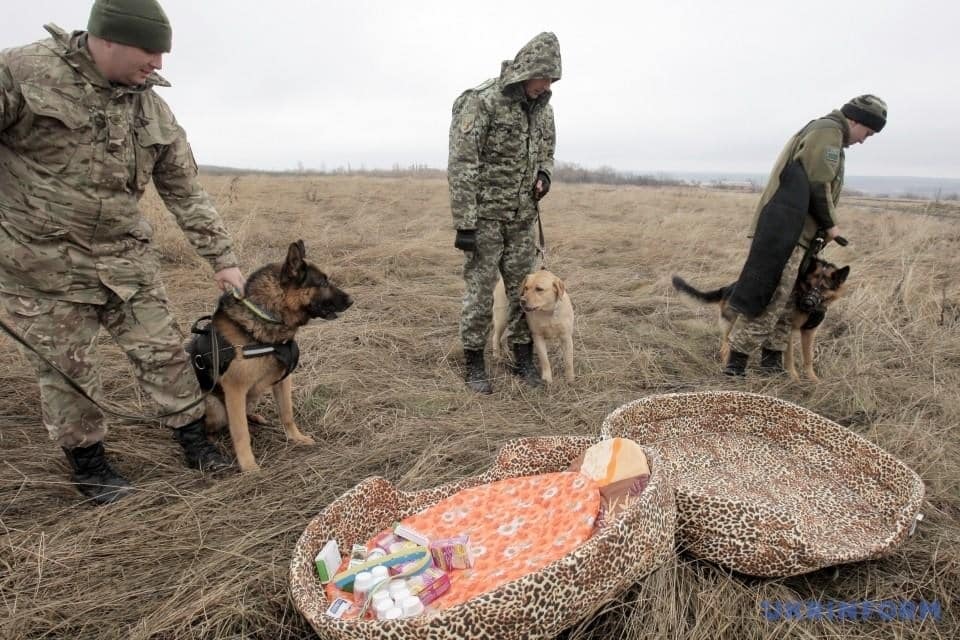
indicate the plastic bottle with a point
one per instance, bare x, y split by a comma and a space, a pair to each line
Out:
380, 573
392, 613
361, 585
380, 607
412, 606
397, 586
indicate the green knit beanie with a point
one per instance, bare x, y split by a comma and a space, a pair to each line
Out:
138, 23
868, 110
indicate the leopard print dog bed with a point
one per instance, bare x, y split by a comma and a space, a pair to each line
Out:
768, 488
538, 605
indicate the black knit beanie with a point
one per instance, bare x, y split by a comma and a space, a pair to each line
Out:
868, 110
138, 23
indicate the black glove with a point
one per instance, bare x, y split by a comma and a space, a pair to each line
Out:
466, 240
545, 181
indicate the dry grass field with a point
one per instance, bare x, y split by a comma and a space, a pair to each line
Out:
192, 556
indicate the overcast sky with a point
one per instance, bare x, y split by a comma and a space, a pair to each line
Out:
647, 86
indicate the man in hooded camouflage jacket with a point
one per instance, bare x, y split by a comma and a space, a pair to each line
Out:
82, 133
798, 204
502, 140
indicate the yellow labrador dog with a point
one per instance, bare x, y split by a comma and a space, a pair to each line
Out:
549, 312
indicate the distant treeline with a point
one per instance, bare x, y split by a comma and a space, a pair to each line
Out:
414, 170
572, 172
563, 172
569, 172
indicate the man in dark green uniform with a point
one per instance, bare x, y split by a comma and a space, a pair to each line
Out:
798, 203
502, 140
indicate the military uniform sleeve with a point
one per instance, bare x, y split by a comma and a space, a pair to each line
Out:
467, 131
821, 155
10, 98
548, 144
175, 177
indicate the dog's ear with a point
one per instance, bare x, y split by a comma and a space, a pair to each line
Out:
558, 287
295, 267
840, 276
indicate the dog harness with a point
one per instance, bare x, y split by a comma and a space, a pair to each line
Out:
201, 350
815, 318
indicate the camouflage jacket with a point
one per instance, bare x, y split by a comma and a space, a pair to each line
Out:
76, 154
819, 149
500, 139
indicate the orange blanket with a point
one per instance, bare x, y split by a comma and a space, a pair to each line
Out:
516, 526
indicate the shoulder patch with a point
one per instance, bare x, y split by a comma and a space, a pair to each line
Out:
832, 155
466, 110
466, 113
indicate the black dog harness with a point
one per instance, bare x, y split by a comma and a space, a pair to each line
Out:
201, 350
815, 318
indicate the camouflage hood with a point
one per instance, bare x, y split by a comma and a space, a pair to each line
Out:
539, 58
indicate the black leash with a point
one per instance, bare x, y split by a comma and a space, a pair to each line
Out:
76, 386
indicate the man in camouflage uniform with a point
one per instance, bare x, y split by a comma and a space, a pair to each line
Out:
82, 133
502, 140
798, 204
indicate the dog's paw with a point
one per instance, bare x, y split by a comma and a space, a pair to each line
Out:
303, 439
250, 468
256, 419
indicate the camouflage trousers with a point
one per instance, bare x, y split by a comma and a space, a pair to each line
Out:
504, 248
771, 329
66, 334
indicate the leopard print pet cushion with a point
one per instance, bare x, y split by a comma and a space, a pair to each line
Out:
768, 488
538, 605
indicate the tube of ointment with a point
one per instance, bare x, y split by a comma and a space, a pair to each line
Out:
412, 535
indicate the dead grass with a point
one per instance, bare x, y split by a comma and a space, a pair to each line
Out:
190, 556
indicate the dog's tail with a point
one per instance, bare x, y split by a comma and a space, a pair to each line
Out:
714, 296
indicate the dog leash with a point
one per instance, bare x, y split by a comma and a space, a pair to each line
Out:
257, 311
76, 386
234, 291
542, 246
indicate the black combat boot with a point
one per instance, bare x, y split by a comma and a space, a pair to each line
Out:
93, 475
524, 366
736, 364
200, 453
771, 362
476, 374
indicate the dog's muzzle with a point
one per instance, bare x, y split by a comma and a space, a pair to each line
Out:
810, 301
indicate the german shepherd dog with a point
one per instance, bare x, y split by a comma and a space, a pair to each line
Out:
254, 336
819, 284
